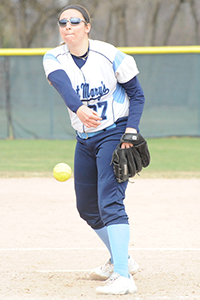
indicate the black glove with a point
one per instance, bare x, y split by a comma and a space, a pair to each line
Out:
129, 161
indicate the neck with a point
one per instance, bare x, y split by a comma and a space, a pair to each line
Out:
79, 50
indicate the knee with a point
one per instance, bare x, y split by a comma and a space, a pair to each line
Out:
92, 218
115, 214
111, 205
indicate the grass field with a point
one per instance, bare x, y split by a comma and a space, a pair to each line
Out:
170, 157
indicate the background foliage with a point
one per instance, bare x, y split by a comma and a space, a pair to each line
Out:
32, 23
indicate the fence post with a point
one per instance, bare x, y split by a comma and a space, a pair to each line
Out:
10, 131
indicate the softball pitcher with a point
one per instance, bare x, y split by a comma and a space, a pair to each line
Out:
105, 101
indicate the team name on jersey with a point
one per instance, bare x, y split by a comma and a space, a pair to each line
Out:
86, 93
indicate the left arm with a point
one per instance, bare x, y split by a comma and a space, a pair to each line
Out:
137, 99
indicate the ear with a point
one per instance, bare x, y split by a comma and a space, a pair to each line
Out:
88, 28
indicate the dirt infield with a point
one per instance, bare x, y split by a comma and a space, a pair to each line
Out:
46, 249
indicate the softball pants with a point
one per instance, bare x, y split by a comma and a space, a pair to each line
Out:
99, 196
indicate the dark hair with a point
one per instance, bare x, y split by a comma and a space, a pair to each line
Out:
80, 8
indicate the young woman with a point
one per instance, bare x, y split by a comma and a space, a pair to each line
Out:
105, 100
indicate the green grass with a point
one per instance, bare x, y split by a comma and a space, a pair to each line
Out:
170, 157
174, 157
21, 158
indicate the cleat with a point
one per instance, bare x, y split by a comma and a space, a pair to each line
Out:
117, 285
105, 271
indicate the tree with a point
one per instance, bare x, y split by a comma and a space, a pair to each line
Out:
32, 23
24, 20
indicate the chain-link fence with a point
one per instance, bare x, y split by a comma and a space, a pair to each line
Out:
31, 108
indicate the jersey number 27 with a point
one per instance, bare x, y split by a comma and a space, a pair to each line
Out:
100, 108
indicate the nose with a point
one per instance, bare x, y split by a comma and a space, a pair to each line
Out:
68, 25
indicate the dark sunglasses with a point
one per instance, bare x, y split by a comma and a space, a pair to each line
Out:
72, 21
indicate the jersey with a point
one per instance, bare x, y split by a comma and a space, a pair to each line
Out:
97, 83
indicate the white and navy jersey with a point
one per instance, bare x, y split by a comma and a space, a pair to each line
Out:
97, 84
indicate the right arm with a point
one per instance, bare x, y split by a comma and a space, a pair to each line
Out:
61, 82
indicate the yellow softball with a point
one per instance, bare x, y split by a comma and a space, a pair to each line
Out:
62, 172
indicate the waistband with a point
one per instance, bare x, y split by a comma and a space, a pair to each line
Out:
87, 135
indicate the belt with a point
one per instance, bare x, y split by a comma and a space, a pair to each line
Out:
86, 135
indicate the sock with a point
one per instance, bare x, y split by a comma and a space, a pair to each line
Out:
119, 235
103, 234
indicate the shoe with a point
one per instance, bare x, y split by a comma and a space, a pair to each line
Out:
117, 285
105, 271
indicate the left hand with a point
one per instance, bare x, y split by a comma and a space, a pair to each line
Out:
128, 130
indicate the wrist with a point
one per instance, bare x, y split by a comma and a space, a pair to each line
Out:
130, 130
78, 109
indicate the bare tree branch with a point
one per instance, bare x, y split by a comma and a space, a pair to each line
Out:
196, 21
24, 23
171, 22
154, 22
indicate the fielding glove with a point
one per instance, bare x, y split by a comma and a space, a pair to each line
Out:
129, 161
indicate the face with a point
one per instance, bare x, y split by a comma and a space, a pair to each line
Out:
74, 35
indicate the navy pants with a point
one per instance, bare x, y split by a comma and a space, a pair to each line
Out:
98, 194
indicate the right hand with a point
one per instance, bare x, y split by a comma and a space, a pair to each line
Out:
88, 116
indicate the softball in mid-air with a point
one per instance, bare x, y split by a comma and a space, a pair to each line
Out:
62, 172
